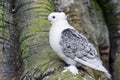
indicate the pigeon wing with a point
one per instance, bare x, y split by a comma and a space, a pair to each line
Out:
77, 47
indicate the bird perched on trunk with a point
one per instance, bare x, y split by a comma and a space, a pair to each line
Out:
71, 46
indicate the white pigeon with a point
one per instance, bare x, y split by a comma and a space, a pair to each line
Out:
71, 46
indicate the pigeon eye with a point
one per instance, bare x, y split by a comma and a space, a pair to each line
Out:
53, 17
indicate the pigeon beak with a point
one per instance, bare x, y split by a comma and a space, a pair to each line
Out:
50, 20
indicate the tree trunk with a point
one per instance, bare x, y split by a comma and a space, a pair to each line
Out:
111, 10
25, 53
10, 47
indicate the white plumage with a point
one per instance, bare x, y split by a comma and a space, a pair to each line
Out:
71, 46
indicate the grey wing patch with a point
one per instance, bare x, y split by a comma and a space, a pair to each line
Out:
75, 44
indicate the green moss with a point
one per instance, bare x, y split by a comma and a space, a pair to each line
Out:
113, 20
117, 64
36, 52
97, 9
94, 4
69, 76
1, 12
104, 1
25, 49
110, 7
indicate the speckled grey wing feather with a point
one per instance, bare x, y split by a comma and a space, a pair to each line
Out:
75, 44
77, 47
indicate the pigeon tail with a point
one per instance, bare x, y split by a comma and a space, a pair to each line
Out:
108, 75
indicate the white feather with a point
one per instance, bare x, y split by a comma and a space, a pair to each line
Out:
95, 66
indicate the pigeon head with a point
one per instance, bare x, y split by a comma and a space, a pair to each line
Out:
56, 17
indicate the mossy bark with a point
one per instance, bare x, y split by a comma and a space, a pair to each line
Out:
9, 41
1, 52
111, 10
24, 25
